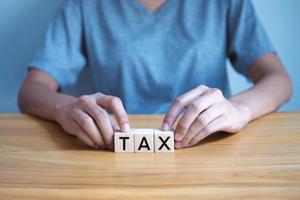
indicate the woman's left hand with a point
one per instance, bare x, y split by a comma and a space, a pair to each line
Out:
206, 111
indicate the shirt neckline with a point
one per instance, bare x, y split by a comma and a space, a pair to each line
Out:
154, 15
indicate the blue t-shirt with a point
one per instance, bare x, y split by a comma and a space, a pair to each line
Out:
148, 59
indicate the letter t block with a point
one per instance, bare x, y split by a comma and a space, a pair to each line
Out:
124, 142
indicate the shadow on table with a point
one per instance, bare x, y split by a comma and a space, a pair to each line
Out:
215, 137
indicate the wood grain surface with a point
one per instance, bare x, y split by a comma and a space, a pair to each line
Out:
39, 161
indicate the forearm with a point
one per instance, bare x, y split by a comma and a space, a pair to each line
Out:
38, 99
265, 96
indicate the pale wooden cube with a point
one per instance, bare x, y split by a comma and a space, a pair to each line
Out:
143, 140
164, 141
124, 142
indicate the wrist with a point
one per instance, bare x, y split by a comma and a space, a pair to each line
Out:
244, 110
61, 108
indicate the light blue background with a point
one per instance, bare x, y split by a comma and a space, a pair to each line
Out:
23, 24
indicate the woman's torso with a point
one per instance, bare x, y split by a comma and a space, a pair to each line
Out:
148, 59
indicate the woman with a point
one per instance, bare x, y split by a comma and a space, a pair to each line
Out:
155, 56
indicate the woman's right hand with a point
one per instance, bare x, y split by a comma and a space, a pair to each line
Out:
87, 118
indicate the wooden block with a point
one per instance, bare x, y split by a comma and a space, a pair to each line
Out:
124, 142
164, 141
143, 140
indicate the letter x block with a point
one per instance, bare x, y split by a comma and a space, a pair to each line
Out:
164, 141
143, 140
124, 142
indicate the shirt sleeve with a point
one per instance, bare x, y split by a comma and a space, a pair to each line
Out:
62, 54
247, 38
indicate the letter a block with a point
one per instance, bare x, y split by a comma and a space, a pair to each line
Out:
143, 140
124, 142
164, 141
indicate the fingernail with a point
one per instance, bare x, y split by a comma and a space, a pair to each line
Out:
165, 126
126, 127
178, 136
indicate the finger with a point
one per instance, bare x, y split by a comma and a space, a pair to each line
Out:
179, 104
193, 110
101, 117
216, 125
114, 123
87, 124
203, 120
74, 129
116, 105
84, 137
102, 120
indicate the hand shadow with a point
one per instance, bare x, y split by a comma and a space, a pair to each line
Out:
220, 135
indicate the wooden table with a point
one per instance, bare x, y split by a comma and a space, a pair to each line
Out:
39, 161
